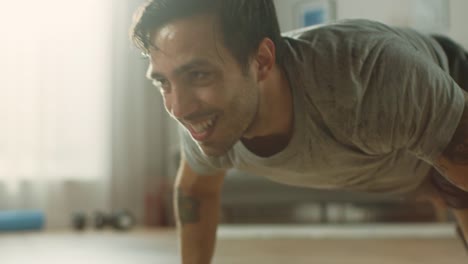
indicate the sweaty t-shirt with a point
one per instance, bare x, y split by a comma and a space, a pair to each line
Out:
374, 106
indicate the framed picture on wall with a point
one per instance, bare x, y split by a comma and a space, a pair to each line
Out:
314, 12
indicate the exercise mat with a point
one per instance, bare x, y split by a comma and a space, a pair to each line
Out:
21, 220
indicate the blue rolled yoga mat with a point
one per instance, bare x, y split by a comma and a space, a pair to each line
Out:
23, 220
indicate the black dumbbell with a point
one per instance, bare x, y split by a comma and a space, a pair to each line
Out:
79, 221
119, 220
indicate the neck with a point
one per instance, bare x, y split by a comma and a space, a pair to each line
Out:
273, 126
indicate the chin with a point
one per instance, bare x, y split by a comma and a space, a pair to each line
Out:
214, 151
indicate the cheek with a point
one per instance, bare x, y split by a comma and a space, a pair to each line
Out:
217, 93
167, 102
212, 96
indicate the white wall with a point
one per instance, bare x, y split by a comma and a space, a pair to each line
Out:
392, 12
459, 21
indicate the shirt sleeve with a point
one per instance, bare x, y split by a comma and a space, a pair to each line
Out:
197, 160
393, 98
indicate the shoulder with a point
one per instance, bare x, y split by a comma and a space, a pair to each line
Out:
340, 49
341, 31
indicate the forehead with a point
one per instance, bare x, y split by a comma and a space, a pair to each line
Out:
185, 40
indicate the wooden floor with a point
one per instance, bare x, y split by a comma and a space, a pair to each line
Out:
160, 246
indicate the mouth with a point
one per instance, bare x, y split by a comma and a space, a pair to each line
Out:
201, 131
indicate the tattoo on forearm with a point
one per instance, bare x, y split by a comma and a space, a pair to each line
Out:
188, 208
457, 150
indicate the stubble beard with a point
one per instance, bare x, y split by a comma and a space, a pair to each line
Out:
238, 119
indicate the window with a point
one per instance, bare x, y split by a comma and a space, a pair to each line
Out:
55, 81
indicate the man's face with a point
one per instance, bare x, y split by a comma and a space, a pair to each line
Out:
202, 85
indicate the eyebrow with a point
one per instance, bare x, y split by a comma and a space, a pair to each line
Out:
181, 69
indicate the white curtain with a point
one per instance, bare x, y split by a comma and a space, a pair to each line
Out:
55, 105
143, 136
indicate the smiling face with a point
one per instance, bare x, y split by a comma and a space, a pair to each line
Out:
203, 86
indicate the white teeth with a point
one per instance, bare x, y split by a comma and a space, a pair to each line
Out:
202, 126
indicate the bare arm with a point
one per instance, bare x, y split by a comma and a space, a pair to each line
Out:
197, 206
453, 163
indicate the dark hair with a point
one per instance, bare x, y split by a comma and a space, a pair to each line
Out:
244, 23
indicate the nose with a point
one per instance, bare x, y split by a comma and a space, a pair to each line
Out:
180, 103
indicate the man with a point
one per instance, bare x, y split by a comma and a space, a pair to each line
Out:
353, 105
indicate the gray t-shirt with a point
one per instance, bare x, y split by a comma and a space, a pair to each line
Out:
374, 106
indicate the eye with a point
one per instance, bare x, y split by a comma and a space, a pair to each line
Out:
199, 77
162, 84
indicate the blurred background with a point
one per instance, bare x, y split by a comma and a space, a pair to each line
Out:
82, 130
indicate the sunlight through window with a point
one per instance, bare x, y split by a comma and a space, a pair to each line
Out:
55, 71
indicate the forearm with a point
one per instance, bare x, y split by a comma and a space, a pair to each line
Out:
197, 218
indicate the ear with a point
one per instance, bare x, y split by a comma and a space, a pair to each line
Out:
265, 58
